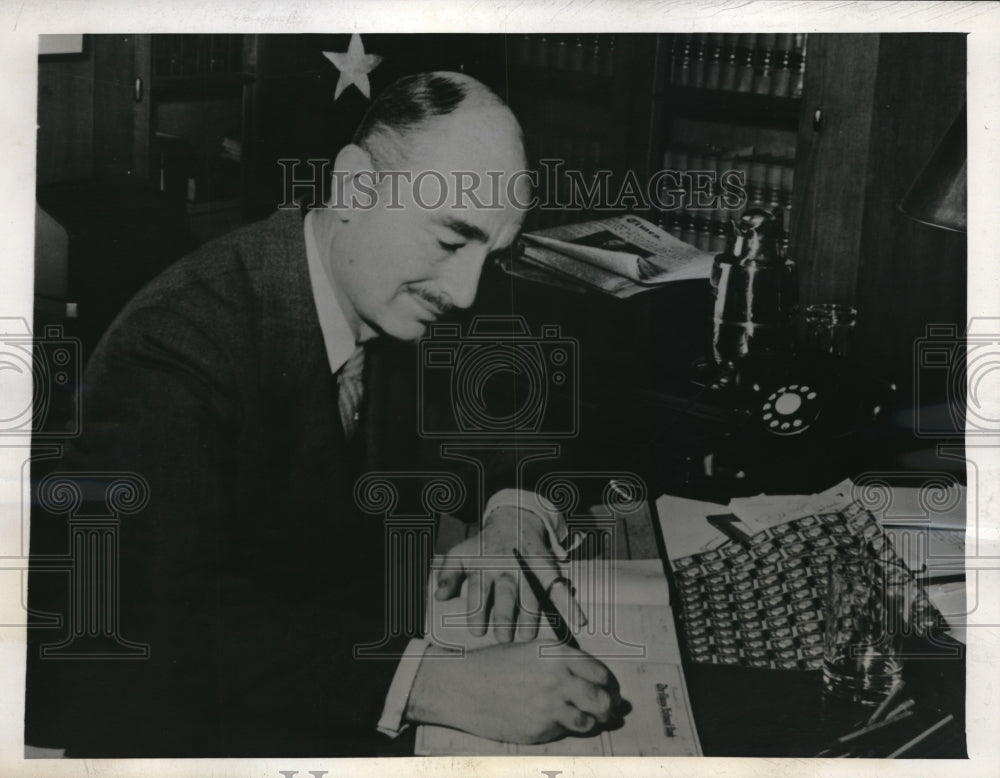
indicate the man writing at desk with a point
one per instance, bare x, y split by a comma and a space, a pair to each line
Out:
233, 385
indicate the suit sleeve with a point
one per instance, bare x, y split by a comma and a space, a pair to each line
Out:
244, 660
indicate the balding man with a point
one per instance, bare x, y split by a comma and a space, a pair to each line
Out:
235, 384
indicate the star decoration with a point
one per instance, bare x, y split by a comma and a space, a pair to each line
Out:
354, 66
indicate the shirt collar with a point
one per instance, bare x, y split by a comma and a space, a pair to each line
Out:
338, 337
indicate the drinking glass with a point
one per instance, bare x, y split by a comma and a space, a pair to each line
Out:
867, 615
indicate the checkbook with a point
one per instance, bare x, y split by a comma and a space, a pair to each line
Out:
630, 629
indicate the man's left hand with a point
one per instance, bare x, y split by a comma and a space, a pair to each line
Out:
496, 586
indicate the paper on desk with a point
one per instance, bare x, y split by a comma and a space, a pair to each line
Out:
686, 530
950, 600
927, 535
631, 629
765, 511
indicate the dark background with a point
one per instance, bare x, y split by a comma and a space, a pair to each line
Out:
114, 165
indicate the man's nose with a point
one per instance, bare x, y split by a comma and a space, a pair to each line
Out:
461, 277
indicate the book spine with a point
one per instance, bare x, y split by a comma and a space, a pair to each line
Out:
682, 62
742, 166
781, 85
745, 62
785, 193
560, 53
799, 61
594, 55
764, 64
577, 58
713, 66
729, 62
698, 55
719, 231
757, 181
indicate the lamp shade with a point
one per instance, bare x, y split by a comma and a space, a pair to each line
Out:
938, 196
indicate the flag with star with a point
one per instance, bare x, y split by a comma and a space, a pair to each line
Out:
354, 66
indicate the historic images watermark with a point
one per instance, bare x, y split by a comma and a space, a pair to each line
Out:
91, 503
552, 186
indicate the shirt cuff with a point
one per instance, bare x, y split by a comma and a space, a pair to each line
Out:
551, 518
391, 723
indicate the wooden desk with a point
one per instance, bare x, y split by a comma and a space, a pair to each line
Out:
746, 712
632, 355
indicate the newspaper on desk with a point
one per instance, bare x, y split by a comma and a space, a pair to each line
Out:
630, 629
758, 601
620, 256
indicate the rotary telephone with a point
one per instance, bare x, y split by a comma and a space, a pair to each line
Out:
793, 414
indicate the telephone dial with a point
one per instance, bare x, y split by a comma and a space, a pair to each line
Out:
791, 411
803, 395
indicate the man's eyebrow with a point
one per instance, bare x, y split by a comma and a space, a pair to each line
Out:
466, 230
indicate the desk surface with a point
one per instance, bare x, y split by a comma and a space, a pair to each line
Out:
641, 414
774, 713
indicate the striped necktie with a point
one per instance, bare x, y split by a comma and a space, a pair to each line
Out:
350, 391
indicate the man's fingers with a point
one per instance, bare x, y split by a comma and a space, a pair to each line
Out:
589, 697
589, 669
504, 606
449, 583
528, 614
559, 590
562, 597
477, 614
575, 720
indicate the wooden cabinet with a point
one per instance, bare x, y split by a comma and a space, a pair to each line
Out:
883, 103
93, 112
871, 110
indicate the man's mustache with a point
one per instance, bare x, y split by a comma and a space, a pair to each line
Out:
440, 302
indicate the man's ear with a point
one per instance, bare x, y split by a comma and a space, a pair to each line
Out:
353, 181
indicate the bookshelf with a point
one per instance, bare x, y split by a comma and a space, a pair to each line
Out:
575, 97
830, 129
199, 114
726, 102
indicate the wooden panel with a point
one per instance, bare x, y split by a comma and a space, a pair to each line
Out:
142, 130
911, 275
65, 120
113, 104
831, 164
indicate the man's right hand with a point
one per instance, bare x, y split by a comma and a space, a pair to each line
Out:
508, 692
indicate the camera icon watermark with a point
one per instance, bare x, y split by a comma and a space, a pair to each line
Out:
498, 381
53, 364
957, 380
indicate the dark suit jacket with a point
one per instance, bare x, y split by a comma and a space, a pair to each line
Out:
250, 574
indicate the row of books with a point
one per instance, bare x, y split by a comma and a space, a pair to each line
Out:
769, 182
710, 231
593, 54
755, 63
192, 55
